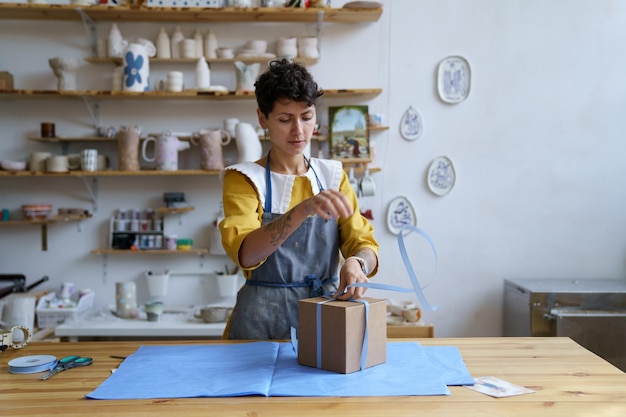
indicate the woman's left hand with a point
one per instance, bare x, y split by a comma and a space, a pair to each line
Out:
350, 273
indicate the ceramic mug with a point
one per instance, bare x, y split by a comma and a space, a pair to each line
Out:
73, 161
57, 163
19, 310
89, 159
103, 162
38, 161
8, 340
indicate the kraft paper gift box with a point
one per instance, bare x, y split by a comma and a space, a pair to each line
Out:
342, 329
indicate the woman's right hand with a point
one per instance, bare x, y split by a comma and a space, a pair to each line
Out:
328, 204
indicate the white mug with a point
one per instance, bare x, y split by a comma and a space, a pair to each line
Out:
38, 161
367, 186
89, 159
57, 163
19, 310
230, 123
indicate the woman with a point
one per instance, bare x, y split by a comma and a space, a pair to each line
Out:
287, 217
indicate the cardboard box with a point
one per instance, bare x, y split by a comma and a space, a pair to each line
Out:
342, 330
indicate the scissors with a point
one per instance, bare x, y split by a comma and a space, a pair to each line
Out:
67, 362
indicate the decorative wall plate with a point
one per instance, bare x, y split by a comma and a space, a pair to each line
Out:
399, 214
411, 126
453, 79
441, 176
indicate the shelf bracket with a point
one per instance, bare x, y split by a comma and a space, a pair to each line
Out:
90, 28
44, 236
320, 22
201, 264
93, 191
105, 265
93, 107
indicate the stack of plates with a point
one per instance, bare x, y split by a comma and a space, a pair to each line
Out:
32, 364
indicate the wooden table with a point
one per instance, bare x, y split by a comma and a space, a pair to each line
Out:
569, 380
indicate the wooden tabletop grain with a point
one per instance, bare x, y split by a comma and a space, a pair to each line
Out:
568, 380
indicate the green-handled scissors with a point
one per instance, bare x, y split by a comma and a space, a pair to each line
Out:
67, 362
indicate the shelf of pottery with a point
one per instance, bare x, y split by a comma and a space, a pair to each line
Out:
132, 61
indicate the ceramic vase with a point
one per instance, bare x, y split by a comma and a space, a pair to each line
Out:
203, 75
246, 75
116, 44
164, 50
210, 45
197, 37
128, 148
177, 37
65, 71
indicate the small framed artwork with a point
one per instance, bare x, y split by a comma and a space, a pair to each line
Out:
348, 134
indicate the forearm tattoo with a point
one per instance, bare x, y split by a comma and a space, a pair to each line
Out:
280, 228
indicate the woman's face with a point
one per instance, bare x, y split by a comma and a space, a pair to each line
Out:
290, 126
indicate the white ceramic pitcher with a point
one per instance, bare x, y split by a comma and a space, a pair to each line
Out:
167, 147
248, 143
137, 65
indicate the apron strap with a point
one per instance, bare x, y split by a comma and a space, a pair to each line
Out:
315, 284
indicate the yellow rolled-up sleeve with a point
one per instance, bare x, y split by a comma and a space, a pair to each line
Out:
355, 232
243, 214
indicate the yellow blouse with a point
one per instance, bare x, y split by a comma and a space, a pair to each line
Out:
244, 213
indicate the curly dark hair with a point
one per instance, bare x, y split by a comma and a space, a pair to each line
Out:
285, 79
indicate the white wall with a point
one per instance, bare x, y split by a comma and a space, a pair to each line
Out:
536, 147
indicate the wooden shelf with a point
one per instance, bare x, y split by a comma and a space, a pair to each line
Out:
160, 95
118, 61
174, 210
53, 219
132, 13
148, 252
144, 173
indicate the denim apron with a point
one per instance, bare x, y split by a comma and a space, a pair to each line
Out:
304, 266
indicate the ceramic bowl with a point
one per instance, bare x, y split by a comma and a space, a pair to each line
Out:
13, 165
214, 314
36, 211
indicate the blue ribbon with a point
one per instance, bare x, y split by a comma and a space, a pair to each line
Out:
318, 324
416, 287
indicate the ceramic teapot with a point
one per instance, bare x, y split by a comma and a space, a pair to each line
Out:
211, 142
248, 143
167, 147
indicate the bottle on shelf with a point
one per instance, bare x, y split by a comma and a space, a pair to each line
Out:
164, 50
203, 74
199, 44
210, 45
175, 43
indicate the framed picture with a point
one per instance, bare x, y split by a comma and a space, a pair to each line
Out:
348, 134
